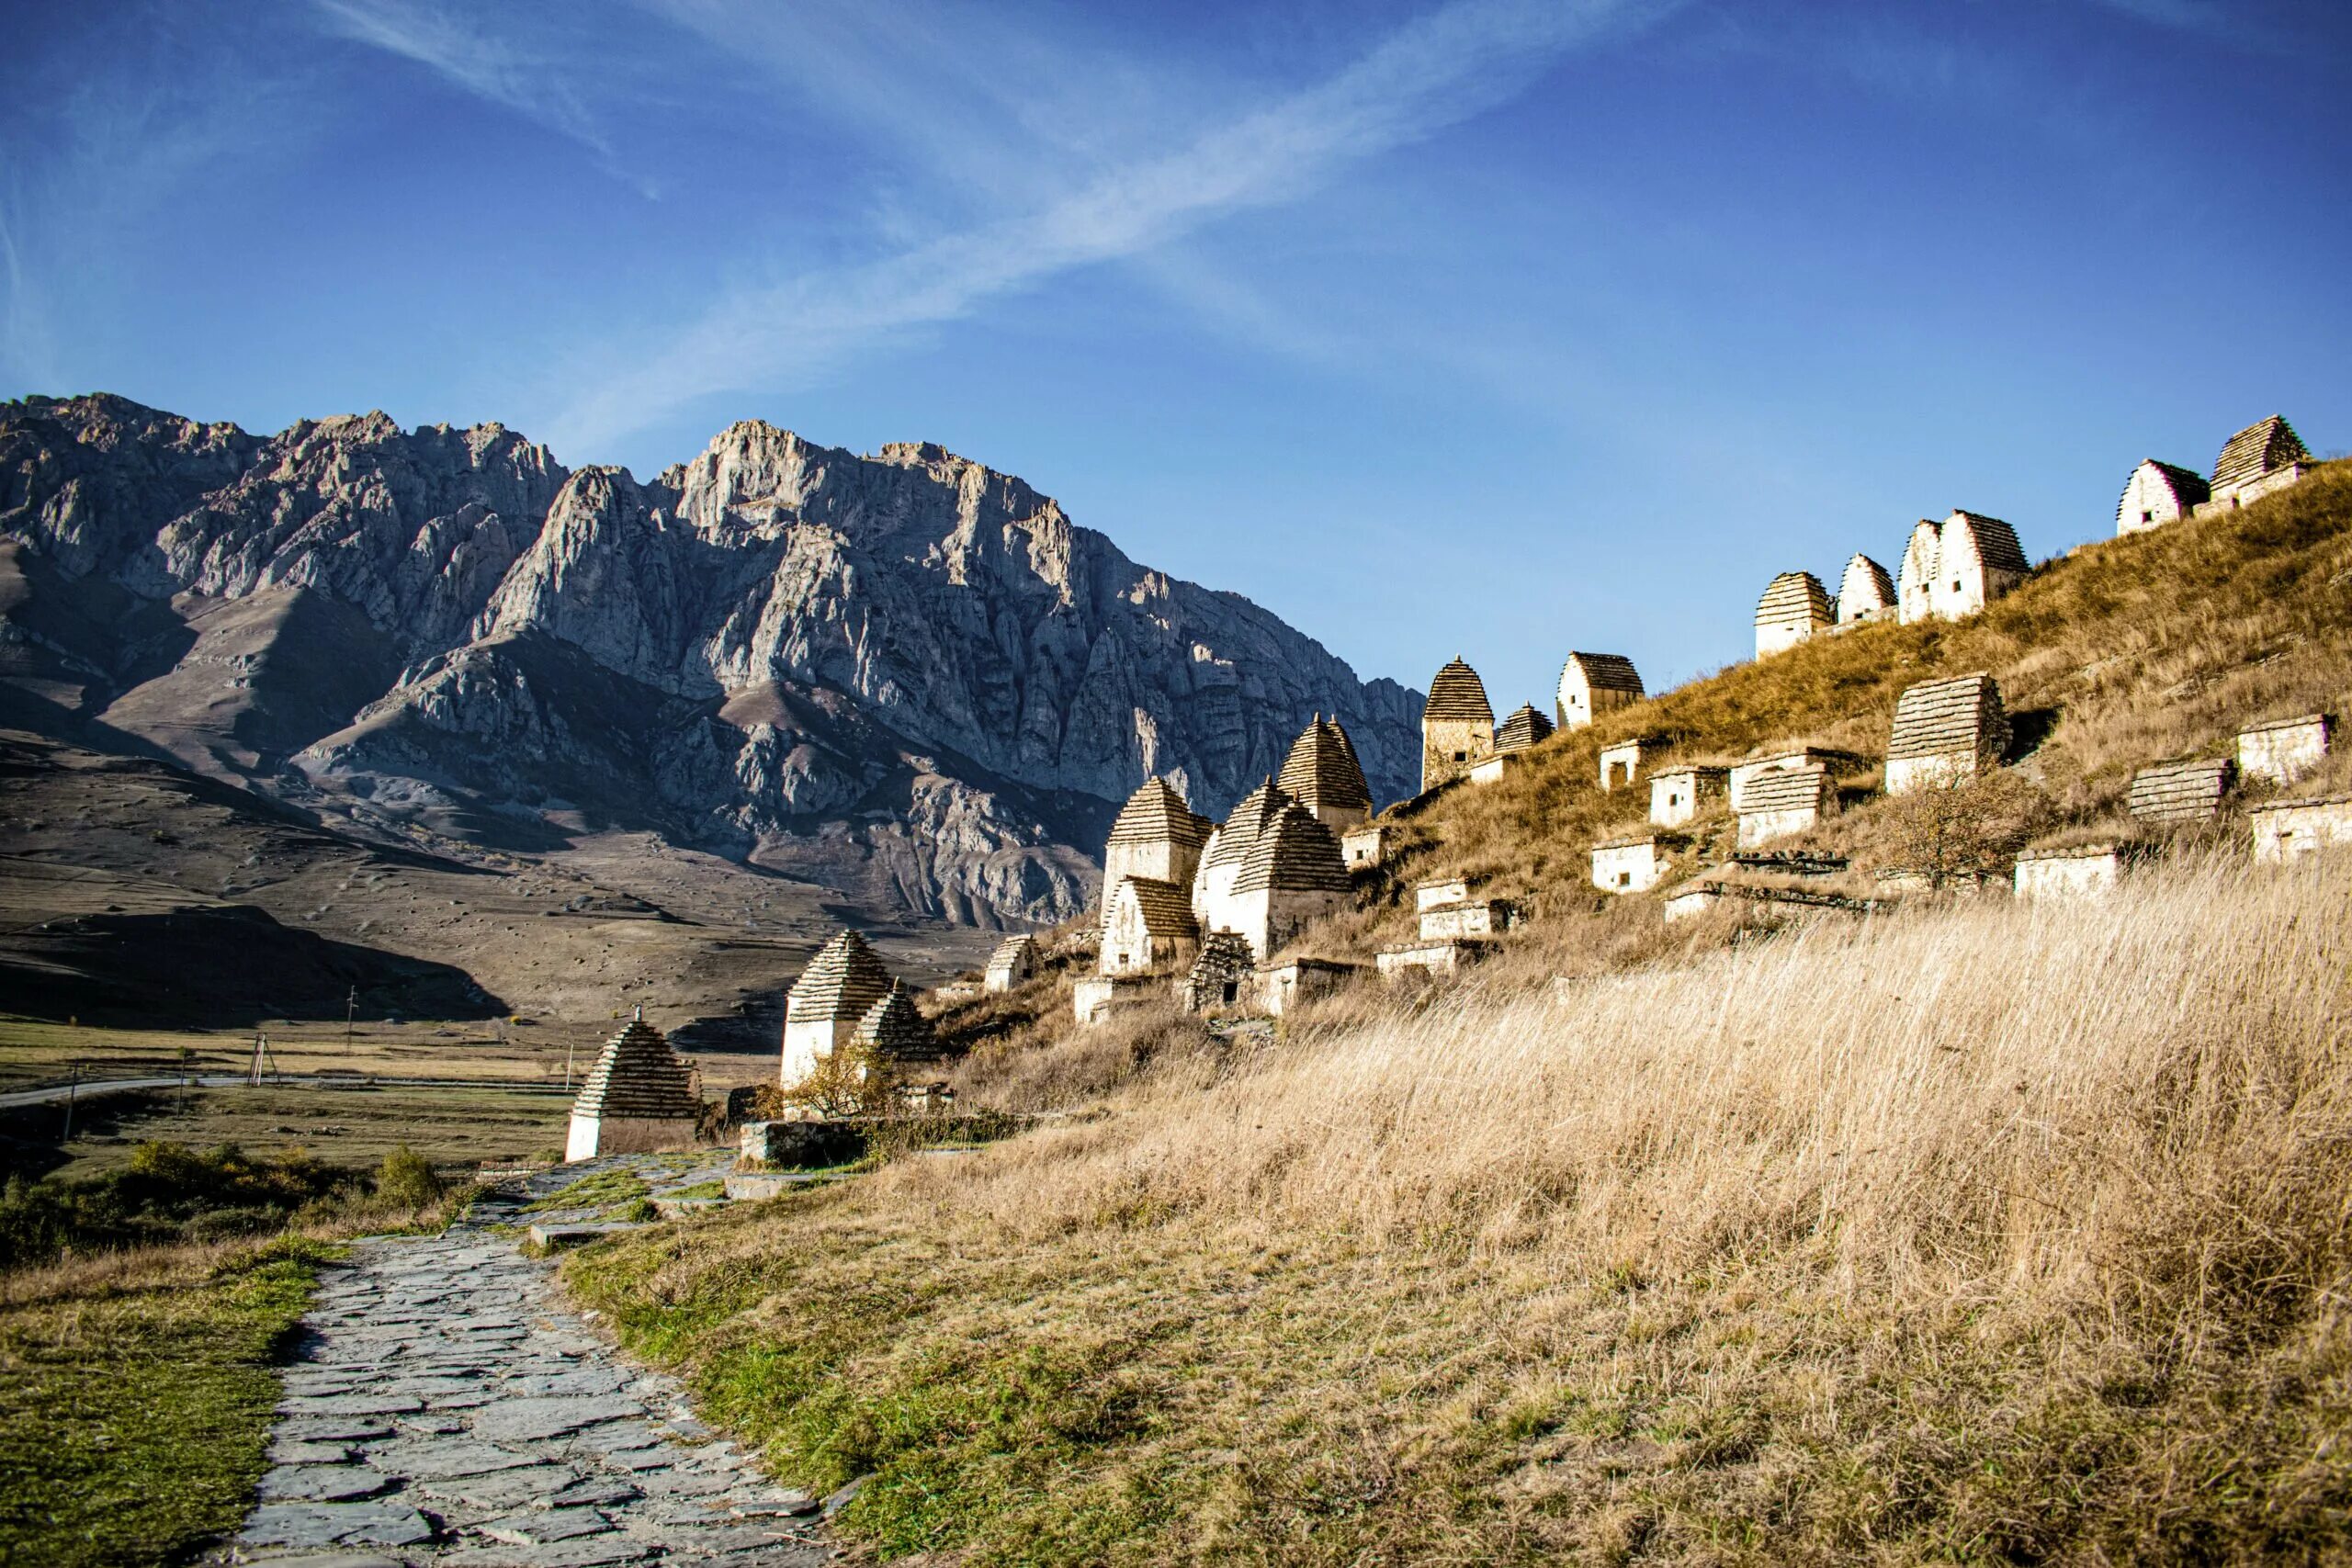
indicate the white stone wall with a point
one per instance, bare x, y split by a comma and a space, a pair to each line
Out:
1163, 862
1780, 634
1492, 769
1268, 918
1095, 996
1128, 946
1430, 895
1759, 827
1944, 576
1429, 958
1677, 797
809, 1042
1286, 986
1363, 848
1620, 764
2290, 832
1212, 895
1690, 901
2284, 753
2148, 501
589, 1136
2083, 875
1450, 747
1904, 774
1449, 922
1628, 868
2253, 489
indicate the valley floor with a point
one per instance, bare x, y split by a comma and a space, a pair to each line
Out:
1985, 1232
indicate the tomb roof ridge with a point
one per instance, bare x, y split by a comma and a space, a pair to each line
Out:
1322, 770
638, 1075
840, 982
1457, 693
1295, 853
1157, 813
2261, 448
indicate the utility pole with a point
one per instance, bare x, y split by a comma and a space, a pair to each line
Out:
350, 1011
73, 1085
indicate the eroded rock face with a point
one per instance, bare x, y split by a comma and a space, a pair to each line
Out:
906, 671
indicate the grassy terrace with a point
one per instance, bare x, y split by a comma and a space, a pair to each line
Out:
1915, 1239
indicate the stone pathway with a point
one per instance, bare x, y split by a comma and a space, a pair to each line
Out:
445, 1410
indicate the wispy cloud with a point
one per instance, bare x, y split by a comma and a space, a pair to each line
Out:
1432, 73
455, 46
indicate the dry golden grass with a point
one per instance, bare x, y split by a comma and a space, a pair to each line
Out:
1985, 1231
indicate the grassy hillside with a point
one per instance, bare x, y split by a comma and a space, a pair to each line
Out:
1973, 1231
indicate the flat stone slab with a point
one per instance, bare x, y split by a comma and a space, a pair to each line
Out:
445, 1409
336, 1524
554, 1238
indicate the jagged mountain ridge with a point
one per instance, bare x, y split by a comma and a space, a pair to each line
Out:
903, 673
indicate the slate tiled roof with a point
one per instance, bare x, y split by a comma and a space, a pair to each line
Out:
1941, 718
1521, 729
1155, 814
1603, 673
1167, 909
2188, 486
1249, 819
638, 1075
2189, 790
894, 1027
1294, 854
1794, 598
840, 982
1225, 956
1785, 789
1997, 541
2256, 450
1322, 770
1457, 693
1866, 586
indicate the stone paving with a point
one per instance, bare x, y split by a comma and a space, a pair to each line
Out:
445, 1410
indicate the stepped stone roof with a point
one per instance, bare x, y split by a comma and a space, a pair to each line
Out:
1866, 586
638, 1076
1604, 673
1524, 728
1249, 818
1457, 693
1793, 596
1013, 952
894, 1027
1785, 789
2184, 791
1225, 956
1155, 814
840, 982
1939, 718
2256, 450
2189, 486
1294, 854
1997, 541
1166, 909
1322, 770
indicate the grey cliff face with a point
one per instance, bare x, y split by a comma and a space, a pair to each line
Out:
905, 673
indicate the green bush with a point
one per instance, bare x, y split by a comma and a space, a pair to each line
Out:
167, 1193
407, 1180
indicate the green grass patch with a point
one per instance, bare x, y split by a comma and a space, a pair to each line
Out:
606, 1190
134, 1419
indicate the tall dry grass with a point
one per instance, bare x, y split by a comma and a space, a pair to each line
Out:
2115, 1105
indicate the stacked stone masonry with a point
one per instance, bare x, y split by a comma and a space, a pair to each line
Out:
1013, 963
833, 994
1795, 608
895, 1030
1224, 976
1944, 730
1322, 774
1779, 802
1634, 864
2159, 493
1157, 836
1955, 568
1866, 594
638, 1099
2186, 791
2259, 460
1147, 928
1457, 726
1680, 795
1595, 684
1364, 848
1525, 729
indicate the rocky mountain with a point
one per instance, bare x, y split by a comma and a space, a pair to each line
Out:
904, 675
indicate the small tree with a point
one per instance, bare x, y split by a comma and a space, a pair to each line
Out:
854, 1079
1961, 826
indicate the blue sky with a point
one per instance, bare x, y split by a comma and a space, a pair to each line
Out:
1484, 327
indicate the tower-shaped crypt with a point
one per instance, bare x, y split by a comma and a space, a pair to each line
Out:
1293, 876
1945, 730
840, 985
1957, 567
2259, 459
1228, 850
1865, 593
639, 1098
1525, 728
1323, 775
1595, 684
895, 1030
1793, 609
2159, 493
1457, 725
1156, 836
